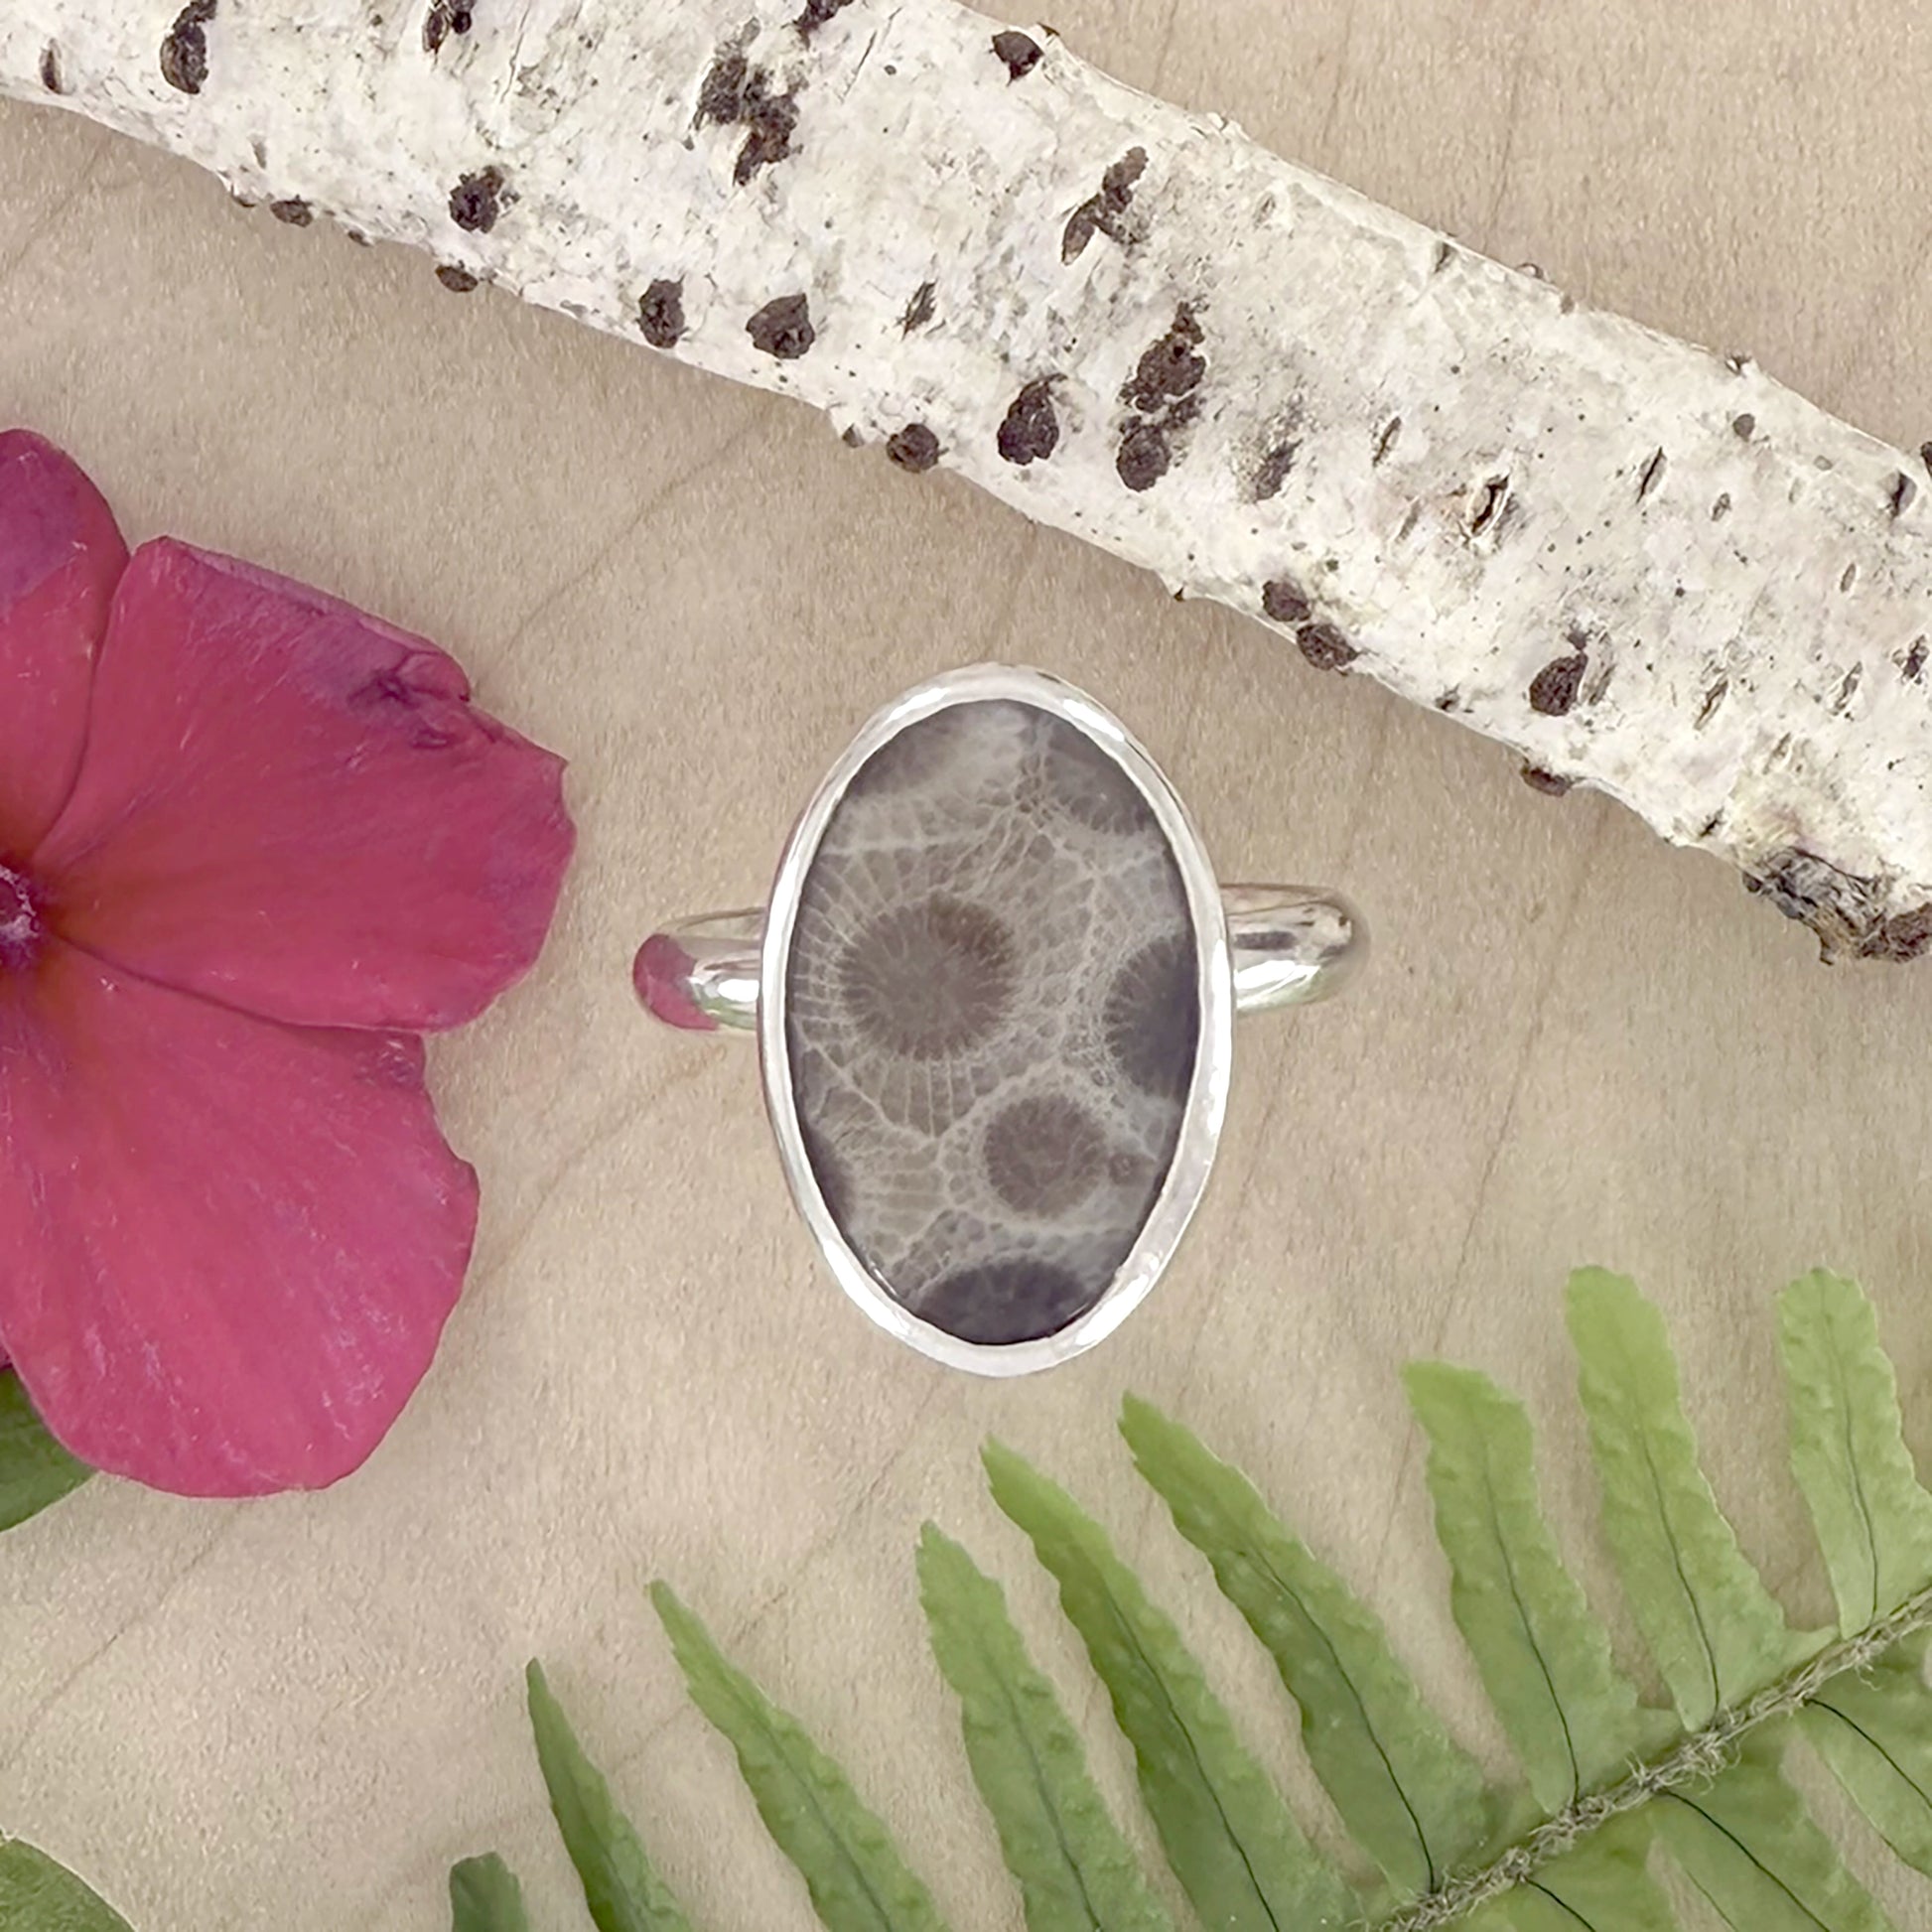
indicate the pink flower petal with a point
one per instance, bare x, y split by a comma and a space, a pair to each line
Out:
662, 975
293, 807
60, 559
230, 1245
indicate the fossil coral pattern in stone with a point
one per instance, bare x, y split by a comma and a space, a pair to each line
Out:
993, 1018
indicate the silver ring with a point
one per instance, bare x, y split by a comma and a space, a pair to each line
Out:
994, 990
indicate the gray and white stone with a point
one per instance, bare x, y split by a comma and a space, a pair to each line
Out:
993, 1018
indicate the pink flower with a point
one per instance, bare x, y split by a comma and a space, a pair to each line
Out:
253, 844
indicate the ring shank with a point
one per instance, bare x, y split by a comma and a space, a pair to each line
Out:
1289, 946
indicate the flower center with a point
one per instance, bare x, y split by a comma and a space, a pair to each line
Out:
21, 930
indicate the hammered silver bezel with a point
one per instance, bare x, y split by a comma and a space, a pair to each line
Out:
1206, 1104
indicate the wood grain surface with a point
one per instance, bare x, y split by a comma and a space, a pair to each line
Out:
1574, 1044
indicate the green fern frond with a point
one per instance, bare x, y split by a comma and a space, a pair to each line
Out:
1076, 1873
1411, 1798
1604, 1882
1609, 1785
39, 1895
1545, 1659
1874, 1728
858, 1880
1716, 1631
1227, 1831
1847, 1450
35, 1470
1752, 1849
484, 1897
622, 1889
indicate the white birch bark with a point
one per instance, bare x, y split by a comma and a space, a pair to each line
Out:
1644, 568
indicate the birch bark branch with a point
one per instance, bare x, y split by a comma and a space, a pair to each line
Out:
1646, 569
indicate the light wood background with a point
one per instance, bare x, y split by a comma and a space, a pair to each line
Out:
1574, 1044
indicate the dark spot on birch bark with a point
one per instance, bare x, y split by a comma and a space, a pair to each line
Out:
183, 53
919, 311
1743, 427
851, 437
1145, 455
720, 96
1170, 367
478, 199
1283, 600
1272, 471
1721, 509
1902, 495
1031, 432
296, 212
1849, 578
1444, 255
1552, 784
783, 328
1106, 211
1162, 390
770, 120
445, 17
457, 280
1713, 698
1488, 504
1450, 701
1797, 883
51, 68
1849, 690
1554, 688
660, 313
735, 93
1905, 935
1327, 648
914, 448
1654, 476
1925, 456
1386, 441
816, 14
1844, 909
1772, 883
1914, 665
1021, 52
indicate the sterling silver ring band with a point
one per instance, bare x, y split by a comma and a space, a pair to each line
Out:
1287, 946
994, 988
